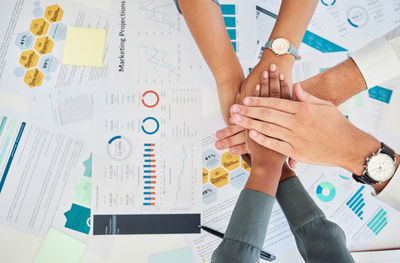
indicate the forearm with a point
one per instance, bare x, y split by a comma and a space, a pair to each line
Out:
293, 19
206, 23
264, 177
309, 225
337, 84
290, 24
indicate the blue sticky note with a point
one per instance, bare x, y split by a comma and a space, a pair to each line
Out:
182, 255
78, 218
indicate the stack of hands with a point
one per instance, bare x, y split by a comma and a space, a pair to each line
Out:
267, 125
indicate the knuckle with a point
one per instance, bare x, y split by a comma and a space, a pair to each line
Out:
266, 128
275, 92
266, 113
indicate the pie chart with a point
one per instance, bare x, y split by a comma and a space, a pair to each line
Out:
326, 192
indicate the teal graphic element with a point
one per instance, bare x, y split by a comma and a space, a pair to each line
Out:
88, 167
380, 93
322, 195
344, 177
78, 218
83, 192
321, 44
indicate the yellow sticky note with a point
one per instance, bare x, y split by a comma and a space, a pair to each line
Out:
84, 47
61, 248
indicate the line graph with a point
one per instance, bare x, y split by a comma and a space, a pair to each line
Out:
161, 13
158, 59
181, 174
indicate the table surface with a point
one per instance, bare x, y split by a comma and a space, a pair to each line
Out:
126, 248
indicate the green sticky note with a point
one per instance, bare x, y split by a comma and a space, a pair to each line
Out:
84, 47
61, 248
182, 255
83, 192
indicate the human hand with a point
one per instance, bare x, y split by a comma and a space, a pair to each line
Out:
228, 91
276, 86
310, 130
273, 62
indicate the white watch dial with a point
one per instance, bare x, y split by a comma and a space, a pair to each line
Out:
280, 46
381, 167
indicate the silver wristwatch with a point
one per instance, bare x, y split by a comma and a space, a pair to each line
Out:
379, 167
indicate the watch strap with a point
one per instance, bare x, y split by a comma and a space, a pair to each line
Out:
268, 44
294, 52
387, 150
364, 179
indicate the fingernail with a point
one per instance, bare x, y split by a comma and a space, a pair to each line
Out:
237, 118
233, 150
281, 77
220, 144
247, 101
272, 67
265, 74
258, 87
253, 133
220, 134
235, 108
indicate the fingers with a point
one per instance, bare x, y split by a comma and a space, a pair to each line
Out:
285, 91
261, 113
231, 141
292, 163
281, 147
228, 131
274, 87
256, 91
273, 103
238, 149
303, 96
265, 84
268, 129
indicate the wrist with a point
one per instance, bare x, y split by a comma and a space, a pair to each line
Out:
264, 179
286, 173
364, 146
285, 61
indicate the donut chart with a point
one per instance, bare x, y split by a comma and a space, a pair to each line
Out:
150, 99
357, 16
326, 192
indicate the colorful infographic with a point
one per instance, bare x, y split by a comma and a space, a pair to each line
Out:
37, 43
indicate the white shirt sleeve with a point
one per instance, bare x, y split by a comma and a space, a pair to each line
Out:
390, 194
379, 61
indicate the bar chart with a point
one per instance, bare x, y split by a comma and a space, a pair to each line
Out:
149, 175
229, 14
378, 221
356, 202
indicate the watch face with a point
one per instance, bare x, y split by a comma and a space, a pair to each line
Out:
381, 167
280, 46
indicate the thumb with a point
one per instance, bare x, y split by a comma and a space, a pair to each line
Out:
304, 96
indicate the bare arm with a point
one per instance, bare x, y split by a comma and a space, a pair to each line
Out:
206, 23
293, 19
337, 84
